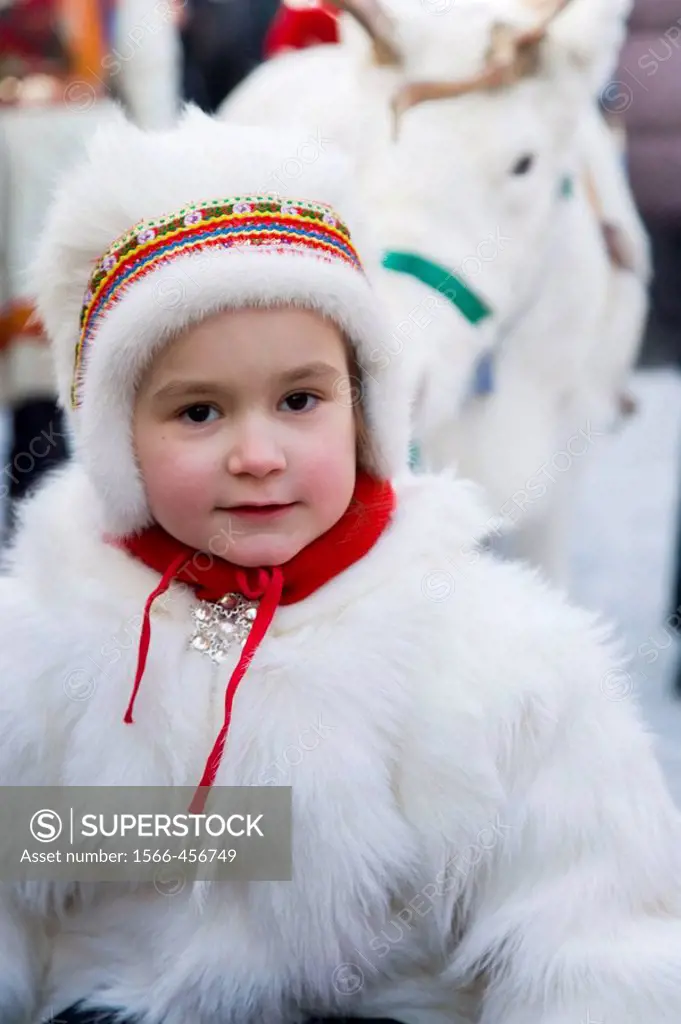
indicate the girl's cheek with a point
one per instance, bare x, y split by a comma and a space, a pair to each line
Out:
181, 469
316, 457
329, 468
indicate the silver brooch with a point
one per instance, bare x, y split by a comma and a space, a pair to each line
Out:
219, 625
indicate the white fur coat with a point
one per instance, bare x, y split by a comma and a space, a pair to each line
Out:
481, 832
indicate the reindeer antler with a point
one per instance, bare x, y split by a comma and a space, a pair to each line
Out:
378, 25
512, 55
544, 8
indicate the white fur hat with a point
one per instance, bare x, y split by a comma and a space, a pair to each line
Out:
108, 306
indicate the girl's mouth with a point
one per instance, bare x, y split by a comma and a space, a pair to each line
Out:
259, 511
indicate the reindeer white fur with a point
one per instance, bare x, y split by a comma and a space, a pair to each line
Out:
475, 183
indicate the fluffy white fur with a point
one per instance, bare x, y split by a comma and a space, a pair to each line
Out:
481, 828
566, 324
131, 176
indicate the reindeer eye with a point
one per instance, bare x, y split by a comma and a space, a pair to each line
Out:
523, 164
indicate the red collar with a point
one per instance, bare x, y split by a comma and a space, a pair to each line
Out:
368, 514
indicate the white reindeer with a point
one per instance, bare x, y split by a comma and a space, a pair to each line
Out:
482, 163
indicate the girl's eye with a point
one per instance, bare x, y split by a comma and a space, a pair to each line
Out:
301, 401
199, 413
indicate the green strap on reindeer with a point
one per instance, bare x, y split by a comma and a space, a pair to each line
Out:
441, 280
449, 285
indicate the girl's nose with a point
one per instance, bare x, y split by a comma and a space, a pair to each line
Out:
255, 450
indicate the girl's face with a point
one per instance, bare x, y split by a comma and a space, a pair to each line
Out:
245, 444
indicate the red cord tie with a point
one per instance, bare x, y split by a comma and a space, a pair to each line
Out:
145, 637
268, 590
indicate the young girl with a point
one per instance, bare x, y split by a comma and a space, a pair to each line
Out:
480, 829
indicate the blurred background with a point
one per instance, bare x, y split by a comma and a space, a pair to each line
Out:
61, 62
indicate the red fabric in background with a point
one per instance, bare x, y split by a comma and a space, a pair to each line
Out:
298, 29
29, 30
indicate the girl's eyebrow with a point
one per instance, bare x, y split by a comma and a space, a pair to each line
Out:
308, 371
186, 387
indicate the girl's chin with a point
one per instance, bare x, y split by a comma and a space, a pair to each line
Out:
262, 552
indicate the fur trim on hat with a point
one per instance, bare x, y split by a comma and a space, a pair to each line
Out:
131, 176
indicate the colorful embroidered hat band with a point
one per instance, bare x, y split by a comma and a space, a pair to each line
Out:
271, 223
